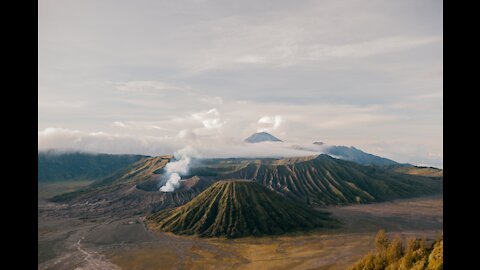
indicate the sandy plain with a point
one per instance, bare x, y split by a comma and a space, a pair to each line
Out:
67, 243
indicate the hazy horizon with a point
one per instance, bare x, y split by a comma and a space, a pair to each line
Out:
154, 77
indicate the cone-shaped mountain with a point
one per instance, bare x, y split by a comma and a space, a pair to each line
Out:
236, 208
262, 137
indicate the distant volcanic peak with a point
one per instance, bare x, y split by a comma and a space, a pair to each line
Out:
262, 137
237, 208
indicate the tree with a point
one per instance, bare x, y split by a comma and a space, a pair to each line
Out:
381, 241
395, 250
391, 255
435, 260
415, 255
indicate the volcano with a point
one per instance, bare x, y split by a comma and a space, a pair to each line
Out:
238, 208
262, 137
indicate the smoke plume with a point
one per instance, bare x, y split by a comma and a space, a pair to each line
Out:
175, 169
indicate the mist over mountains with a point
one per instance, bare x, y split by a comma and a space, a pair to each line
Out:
61, 166
258, 145
216, 145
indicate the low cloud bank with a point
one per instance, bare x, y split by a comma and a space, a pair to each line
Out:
212, 146
205, 147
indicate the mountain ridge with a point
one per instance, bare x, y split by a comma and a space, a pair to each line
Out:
315, 180
262, 137
325, 180
70, 166
356, 155
238, 208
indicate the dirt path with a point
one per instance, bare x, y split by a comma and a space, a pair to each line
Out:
67, 242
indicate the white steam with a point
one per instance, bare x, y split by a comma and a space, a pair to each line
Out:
172, 183
177, 168
268, 123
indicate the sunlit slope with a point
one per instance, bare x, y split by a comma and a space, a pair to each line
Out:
234, 208
423, 171
136, 173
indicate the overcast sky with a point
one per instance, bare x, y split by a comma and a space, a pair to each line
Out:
152, 76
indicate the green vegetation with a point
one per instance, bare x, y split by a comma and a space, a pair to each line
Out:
54, 166
392, 255
413, 170
423, 171
136, 173
313, 180
130, 191
236, 208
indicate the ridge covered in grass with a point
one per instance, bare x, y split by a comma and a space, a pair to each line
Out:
324, 180
237, 208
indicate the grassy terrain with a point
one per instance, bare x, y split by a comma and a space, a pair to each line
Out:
423, 171
135, 173
53, 166
324, 180
414, 170
313, 180
236, 208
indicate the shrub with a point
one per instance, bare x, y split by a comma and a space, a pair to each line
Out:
381, 241
391, 255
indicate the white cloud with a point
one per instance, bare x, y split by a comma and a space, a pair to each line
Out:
301, 53
101, 142
157, 127
187, 135
321, 65
267, 123
69, 140
369, 48
148, 86
61, 104
353, 120
213, 100
212, 123
210, 119
249, 59
119, 124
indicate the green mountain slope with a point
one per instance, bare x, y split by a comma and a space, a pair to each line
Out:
236, 208
416, 170
129, 191
314, 180
54, 166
